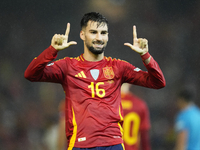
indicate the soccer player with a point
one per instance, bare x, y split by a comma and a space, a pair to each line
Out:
92, 83
136, 120
187, 123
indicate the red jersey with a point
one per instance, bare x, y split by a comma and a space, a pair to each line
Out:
92, 90
136, 119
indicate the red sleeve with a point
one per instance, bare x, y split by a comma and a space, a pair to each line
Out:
145, 141
38, 70
153, 78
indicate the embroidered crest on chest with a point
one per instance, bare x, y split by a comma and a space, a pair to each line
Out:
108, 72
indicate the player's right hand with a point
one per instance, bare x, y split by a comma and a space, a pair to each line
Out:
60, 41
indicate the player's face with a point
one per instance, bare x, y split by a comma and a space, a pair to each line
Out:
95, 37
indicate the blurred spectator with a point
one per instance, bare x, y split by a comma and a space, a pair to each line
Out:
187, 123
51, 135
61, 140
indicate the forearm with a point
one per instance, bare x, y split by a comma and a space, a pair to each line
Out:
36, 67
156, 78
146, 58
181, 140
179, 147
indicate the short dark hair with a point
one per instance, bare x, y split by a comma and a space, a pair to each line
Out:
186, 95
93, 16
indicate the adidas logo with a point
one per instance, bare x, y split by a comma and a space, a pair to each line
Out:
81, 75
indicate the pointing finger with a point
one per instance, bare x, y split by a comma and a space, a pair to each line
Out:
68, 29
134, 34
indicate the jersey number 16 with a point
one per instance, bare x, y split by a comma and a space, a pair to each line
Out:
99, 92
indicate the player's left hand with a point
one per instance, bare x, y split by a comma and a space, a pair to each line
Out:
139, 45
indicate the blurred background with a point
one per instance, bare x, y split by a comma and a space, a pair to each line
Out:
29, 111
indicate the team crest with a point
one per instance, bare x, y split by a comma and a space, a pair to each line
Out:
108, 72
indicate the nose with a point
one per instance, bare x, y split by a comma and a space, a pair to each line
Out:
98, 37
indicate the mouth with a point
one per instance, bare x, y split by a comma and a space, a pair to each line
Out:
98, 44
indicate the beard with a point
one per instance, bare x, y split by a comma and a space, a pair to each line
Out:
96, 51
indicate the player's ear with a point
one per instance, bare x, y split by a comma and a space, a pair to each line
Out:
82, 35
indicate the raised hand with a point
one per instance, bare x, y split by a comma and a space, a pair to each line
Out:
139, 45
60, 41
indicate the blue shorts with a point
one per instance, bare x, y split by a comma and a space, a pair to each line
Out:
113, 147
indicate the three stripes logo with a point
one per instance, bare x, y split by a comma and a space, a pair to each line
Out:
81, 75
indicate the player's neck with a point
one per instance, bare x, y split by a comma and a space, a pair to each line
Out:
186, 105
89, 56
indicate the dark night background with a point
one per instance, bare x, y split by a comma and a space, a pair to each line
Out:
29, 111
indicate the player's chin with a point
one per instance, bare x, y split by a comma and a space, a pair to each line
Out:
100, 48
97, 51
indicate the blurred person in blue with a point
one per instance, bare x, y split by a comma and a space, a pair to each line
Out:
187, 124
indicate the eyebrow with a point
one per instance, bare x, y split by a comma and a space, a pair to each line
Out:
92, 30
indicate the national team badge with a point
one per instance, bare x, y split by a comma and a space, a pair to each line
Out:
108, 72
